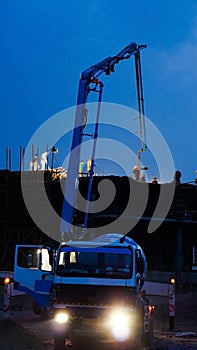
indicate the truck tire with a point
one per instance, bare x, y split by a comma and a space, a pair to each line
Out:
44, 313
35, 307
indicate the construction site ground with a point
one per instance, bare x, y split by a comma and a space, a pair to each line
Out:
23, 330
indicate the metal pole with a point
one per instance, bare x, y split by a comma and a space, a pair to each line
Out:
179, 255
47, 150
6, 304
10, 159
7, 158
171, 300
21, 158
38, 153
32, 150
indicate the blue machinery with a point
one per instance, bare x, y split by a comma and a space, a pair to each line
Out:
90, 82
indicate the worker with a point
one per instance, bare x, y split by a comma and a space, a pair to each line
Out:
195, 180
143, 174
31, 166
144, 297
136, 172
81, 166
35, 163
154, 180
144, 319
142, 177
177, 177
89, 166
44, 160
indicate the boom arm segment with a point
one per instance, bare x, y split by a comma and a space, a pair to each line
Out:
89, 76
108, 64
141, 114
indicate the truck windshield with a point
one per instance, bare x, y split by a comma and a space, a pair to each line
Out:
95, 264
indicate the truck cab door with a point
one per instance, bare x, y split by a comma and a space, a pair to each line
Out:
33, 270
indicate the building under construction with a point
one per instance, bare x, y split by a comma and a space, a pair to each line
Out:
172, 247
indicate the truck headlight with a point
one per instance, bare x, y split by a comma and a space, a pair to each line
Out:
120, 325
61, 317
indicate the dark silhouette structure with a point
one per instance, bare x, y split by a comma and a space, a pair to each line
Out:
170, 248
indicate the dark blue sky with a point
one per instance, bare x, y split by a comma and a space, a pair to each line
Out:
45, 45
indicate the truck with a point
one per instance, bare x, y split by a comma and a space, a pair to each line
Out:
89, 288
89, 285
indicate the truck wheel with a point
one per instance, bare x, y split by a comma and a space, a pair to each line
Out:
35, 308
44, 312
59, 342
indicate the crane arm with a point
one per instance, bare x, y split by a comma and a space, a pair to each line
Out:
107, 65
88, 76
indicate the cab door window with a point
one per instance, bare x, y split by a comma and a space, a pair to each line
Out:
34, 258
28, 258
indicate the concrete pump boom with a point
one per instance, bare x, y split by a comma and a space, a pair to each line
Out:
90, 77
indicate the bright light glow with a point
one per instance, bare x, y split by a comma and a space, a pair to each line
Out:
61, 317
6, 280
172, 281
120, 325
151, 308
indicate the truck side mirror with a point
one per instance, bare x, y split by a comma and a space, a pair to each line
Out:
140, 265
51, 260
